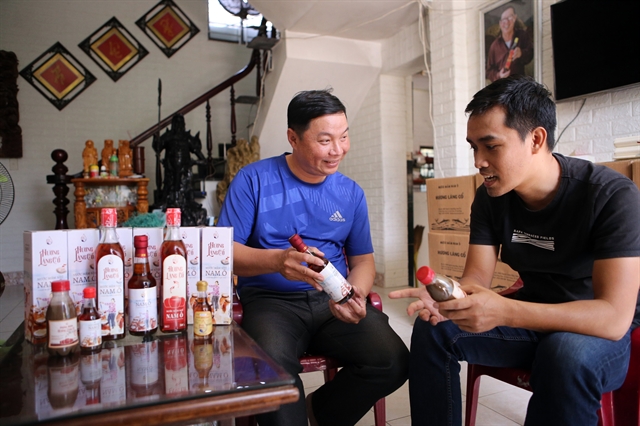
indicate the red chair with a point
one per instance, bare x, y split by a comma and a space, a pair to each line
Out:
311, 363
620, 407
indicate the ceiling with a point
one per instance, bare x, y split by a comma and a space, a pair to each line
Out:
353, 19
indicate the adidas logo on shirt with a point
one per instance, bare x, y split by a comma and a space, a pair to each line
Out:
337, 217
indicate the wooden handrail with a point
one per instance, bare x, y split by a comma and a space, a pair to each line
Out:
255, 59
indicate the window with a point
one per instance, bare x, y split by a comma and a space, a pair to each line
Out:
225, 23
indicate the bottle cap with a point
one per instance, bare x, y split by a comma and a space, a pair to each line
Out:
109, 217
113, 159
141, 241
202, 285
62, 285
89, 292
173, 217
297, 242
425, 275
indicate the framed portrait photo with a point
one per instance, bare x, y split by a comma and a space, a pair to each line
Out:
510, 39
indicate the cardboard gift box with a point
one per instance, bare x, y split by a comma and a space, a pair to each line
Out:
217, 270
448, 253
449, 203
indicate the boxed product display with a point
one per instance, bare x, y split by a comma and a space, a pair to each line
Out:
191, 238
448, 253
45, 260
81, 246
217, 270
449, 202
125, 238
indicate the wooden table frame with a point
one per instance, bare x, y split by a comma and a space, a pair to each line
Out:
222, 407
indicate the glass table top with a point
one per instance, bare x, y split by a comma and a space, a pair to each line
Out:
129, 373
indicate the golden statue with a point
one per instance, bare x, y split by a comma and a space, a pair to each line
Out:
89, 156
107, 152
125, 159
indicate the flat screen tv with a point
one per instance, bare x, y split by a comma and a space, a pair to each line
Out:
596, 45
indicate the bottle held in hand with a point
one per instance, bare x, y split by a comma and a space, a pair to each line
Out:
440, 287
334, 284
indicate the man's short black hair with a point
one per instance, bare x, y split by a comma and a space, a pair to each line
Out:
310, 104
527, 104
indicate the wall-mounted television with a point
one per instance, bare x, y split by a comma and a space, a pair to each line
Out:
596, 45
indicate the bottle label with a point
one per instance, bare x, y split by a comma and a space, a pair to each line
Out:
90, 333
64, 381
203, 358
202, 323
143, 309
144, 364
174, 292
91, 368
110, 286
334, 284
63, 333
176, 371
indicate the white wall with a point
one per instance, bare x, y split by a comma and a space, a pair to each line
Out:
381, 136
106, 109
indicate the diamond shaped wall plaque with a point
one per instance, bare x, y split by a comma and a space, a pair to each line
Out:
114, 49
167, 26
58, 76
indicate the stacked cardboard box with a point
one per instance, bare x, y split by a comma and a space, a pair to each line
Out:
449, 204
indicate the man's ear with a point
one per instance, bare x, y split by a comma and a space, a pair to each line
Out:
539, 139
292, 137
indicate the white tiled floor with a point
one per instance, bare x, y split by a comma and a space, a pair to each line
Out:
499, 403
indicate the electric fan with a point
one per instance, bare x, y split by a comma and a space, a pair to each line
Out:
239, 8
6, 193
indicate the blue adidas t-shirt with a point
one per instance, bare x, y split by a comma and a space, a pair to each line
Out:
266, 204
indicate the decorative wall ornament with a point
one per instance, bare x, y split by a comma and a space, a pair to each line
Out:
58, 75
113, 48
167, 26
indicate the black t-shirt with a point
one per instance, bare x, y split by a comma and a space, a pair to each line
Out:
594, 215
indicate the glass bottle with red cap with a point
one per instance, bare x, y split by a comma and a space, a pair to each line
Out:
440, 287
110, 277
143, 293
173, 286
334, 284
89, 322
62, 321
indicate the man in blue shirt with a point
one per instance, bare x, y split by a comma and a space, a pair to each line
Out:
303, 193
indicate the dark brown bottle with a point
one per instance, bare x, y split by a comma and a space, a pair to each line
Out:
334, 284
143, 293
173, 286
89, 323
64, 383
110, 277
62, 321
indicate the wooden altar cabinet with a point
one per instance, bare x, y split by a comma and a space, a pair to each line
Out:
105, 192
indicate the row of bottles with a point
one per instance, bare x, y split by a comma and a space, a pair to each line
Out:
149, 306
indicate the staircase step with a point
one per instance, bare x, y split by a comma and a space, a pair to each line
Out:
250, 100
262, 43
